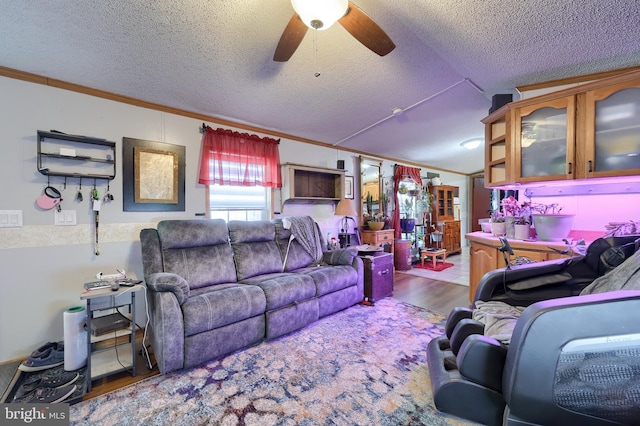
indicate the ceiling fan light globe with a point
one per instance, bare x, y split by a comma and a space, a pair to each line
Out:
320, 14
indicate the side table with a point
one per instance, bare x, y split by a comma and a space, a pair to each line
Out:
378, 238
378, 275
433, 255
116, 356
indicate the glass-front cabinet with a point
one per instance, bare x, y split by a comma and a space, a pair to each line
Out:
612, 131
586, 131
544, 140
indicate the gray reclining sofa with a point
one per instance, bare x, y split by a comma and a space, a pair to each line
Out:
214, 287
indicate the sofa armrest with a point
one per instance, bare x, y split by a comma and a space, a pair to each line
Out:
164, 281
340, 257
481, 359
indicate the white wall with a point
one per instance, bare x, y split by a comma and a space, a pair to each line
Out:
43, 266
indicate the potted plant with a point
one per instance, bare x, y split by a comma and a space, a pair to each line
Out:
369, 202
550, 224
521, 228
408, 222
514, 212
376, 223
498, 225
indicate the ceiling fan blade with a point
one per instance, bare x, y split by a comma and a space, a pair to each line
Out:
366, 31
290, 40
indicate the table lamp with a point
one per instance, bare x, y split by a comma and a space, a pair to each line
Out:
345, 208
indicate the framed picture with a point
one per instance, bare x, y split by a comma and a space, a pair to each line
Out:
153, 176
348, 187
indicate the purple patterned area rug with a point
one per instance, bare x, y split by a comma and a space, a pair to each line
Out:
362, 366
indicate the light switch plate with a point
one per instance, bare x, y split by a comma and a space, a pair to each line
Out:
65, 218
10, 218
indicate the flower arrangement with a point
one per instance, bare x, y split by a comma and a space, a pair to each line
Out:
521, 212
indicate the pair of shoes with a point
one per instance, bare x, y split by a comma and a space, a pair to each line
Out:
47, 356
45, 395
55, 379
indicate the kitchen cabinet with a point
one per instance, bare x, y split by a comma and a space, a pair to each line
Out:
498, 162
544, 140
587, 131
610, 130
484, 255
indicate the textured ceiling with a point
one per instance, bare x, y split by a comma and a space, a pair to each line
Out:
215, 58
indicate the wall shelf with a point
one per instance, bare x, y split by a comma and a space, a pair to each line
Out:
63, 155
311, 184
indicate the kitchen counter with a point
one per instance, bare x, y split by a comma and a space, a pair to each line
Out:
485, 256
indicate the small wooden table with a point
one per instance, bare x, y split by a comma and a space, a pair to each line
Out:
433, 254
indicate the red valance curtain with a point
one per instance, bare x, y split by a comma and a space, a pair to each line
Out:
239, 159
399, 174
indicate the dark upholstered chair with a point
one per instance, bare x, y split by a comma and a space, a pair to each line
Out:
572, 359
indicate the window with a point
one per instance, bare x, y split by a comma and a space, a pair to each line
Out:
239, 202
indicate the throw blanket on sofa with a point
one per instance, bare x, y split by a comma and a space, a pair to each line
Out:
308, 234
500, 318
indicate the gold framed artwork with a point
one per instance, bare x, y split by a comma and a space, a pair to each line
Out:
153, 176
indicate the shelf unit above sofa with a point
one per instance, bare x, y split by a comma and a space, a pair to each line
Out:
311, 184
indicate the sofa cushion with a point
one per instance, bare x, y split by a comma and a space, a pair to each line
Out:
220, 305
192, 233
284, 289
328, 279
254, 247
194, 248
201, 266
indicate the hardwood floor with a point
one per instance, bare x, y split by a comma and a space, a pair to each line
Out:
431, 294
438, 296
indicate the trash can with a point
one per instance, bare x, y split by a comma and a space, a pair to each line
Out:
402, 254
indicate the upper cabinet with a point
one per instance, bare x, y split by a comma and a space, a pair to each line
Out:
444, 202
588, 131
611, 130
498, 148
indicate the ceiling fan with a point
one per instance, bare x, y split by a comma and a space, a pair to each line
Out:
320, 15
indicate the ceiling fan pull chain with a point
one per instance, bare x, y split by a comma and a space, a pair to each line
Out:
315, 51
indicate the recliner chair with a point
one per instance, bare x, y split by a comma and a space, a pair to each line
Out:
571, 360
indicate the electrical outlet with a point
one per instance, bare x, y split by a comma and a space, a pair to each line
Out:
65, 218
10, 218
